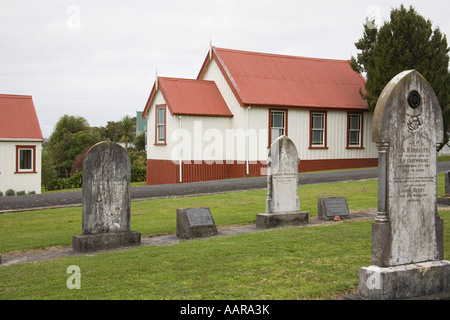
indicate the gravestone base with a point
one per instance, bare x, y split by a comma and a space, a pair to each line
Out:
273, 220
105, 241
409, 281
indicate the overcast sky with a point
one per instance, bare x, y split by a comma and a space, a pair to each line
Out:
98, 59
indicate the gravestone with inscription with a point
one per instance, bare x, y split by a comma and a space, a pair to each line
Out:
329, 208
407, 235
195, 223
106, 200
283, 203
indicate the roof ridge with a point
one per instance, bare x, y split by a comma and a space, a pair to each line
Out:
184, 79
15, 96
281, 55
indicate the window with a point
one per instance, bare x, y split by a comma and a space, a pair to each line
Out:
25, 159
354, 137
318, 123
277, 124
160, 124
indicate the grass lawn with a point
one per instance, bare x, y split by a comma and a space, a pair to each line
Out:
288, 263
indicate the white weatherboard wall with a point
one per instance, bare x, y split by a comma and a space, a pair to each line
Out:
215, 138
298, 126
9, 179
299, 132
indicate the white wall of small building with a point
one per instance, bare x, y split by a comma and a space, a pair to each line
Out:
9, 179
216, 138
298, 126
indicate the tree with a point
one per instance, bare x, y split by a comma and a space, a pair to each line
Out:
69, 138
406, 42
139, 142
127, 130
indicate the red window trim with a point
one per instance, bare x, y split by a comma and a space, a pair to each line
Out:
361, 133
270, 124
325, 145
159, 143
33, 171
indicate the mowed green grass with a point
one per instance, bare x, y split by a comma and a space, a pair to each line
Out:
45, 228
319, 262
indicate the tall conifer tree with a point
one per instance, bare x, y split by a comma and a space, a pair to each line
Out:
406, 42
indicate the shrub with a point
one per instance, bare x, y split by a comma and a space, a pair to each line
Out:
138, 174
1, 194
75, 181
10, 193
21, 193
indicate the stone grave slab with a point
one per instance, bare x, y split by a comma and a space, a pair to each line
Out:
283, 203
329, 208
106, 200
195, 223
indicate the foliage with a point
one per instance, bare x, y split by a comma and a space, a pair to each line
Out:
61, 142
77, 166
49, 173
10, 193
137, 158
74, 182
127, 130
64, 152
405, 42
139, 142
138, 174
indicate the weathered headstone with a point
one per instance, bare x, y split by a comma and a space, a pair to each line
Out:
329, 208
283, 203
106, 200
195, 223
407, 235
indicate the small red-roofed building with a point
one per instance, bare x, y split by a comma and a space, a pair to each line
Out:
20, 145
222, 124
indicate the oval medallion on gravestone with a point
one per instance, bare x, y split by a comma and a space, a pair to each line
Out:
414, 99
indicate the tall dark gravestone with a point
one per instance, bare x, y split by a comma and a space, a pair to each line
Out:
106, 200
407, 235
283, 203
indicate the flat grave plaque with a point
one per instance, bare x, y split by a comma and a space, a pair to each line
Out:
199, 217
195, 223
328, 208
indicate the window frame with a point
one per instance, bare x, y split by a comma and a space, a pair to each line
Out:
20, 148
285, 128
158, 141
324, 130
361, 130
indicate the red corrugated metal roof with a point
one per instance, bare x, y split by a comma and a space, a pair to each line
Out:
262, 79
191, 97
18, 118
